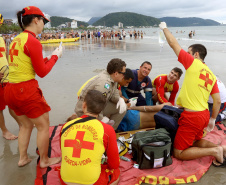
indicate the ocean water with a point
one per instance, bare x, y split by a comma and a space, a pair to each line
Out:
213, 37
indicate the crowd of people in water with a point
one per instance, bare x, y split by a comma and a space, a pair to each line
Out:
87, 35
103, 102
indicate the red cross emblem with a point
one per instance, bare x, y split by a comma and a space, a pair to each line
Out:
78, 144
13, 51
206, 79
2, 49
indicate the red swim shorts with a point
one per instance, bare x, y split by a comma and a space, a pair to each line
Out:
2, 99
26, 98
191, 125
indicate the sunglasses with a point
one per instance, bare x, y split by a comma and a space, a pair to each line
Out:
122, 73
44, 20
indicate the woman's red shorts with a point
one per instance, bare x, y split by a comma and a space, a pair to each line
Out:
26, 98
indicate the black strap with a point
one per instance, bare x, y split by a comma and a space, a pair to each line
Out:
78, 121
165, 157
218, 127
50, 140
45, 176
152, 161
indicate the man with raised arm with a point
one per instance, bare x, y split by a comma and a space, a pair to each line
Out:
198, 84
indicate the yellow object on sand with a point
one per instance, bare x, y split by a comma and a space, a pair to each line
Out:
1, 19
59, 40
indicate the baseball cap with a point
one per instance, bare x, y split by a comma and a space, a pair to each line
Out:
33, 10
1, 19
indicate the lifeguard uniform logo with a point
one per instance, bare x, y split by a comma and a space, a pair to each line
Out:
207, 77
78, 144
82, 148
3, 60
20, 65
199, 90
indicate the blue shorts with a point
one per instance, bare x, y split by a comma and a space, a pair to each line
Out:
131, 121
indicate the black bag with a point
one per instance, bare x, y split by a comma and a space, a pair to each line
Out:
151, 149
167, 118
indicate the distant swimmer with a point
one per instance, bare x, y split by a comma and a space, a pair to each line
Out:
190, 35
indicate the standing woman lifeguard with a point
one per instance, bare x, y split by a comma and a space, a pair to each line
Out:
22, 93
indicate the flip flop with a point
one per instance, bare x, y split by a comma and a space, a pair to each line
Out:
222, 165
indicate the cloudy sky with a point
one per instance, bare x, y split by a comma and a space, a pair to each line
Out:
85, 9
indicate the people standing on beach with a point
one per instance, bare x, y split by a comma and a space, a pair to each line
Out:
194, 33
140, 82
199, 83
131, 33
222, 112
99, 141
124, 34
107, 83
3, 79
22, 93
166, 83
141, 34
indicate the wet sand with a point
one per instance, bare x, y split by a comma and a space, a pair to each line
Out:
80, 62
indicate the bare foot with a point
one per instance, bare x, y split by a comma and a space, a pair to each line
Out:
224, 150
50, 162
219, 154
9, 136
24, 162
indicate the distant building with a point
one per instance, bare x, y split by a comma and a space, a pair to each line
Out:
99, 27
62, 26
47, 25
90, 26
120, 25
8, 21
68, 24
115, 27
74, 24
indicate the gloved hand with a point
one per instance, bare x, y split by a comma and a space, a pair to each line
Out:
133, 101
211, 125
105, 119
108, 121
121, 105
49, 57
162, 25
58, 52
111, 122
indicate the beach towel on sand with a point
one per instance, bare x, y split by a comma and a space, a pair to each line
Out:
178, 172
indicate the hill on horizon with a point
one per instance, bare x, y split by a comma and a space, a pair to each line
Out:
56, 21
127, 18
189, 21
93, 20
